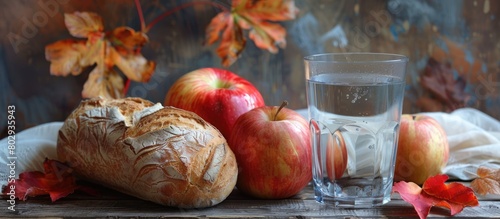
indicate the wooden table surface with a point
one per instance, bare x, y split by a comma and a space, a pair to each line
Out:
116, 205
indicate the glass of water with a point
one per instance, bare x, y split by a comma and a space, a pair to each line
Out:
354, 105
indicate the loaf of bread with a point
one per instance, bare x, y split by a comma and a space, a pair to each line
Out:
161, 154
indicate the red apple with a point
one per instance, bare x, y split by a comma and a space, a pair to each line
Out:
336, 156
423, 149
273, 151
216, 95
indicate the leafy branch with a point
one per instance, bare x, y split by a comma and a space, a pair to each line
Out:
122, 46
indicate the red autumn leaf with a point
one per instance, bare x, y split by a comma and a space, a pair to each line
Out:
447, 91
412, 193
256, 16
488, 181
57, 181
454, 196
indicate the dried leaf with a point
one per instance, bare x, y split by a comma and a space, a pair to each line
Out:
125, 54
120, 47
255, 16
82, 24
485, 172
488, 181
135, 67
127, 41
454, 196
268, 10
65, 57
232, 43
103, 84
57, 181
268, 36
217, 24
444, 86
96, 50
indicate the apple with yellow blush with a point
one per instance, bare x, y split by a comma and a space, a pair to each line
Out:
272, 146
423, 149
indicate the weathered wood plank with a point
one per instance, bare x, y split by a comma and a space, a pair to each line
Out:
113, 204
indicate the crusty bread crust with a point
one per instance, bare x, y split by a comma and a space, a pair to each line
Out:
161, 154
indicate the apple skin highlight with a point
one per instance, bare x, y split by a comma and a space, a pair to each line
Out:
423, 149
216, 95
273, 152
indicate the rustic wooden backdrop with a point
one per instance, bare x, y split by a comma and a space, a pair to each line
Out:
461, 36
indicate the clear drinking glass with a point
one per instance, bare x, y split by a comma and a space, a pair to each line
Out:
354, 105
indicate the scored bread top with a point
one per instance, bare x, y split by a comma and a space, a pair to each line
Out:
162, 154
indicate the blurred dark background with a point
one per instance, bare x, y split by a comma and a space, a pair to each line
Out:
453, 46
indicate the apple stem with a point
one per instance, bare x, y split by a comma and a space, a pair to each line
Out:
285, 103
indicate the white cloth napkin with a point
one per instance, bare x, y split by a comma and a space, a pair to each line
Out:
474, 139
32, 146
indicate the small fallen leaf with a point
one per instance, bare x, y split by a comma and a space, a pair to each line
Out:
488, 181
454, 196
412, 193
57, 181
256, 16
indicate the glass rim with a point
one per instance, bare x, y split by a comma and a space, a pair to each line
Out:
332, 57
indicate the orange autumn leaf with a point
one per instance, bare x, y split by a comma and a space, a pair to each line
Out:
454, 196
488, 181
120, 47
57, 181
66, 57
232, 43
125, 54
103, 84
256, 16
83, 24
